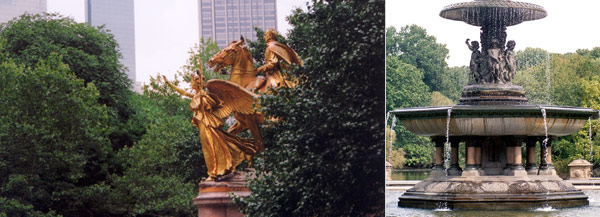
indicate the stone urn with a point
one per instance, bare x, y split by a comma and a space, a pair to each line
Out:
580, 169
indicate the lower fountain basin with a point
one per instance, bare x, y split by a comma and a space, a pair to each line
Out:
493, 193
494, 120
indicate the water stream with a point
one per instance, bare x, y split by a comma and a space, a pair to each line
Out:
447, 144
590, 136
392, 128
545, 142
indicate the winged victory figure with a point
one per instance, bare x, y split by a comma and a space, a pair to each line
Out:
223, 151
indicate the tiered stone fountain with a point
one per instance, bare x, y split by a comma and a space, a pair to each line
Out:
494, 120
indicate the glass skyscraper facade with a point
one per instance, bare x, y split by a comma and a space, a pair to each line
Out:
225, 20
118, 17
10, 9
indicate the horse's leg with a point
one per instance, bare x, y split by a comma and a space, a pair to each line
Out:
239, 125
255, 130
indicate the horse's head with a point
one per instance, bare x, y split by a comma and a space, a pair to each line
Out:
227, 56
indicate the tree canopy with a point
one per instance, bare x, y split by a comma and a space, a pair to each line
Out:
414, 46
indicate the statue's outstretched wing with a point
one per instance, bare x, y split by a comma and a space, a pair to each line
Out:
234, 98
285, 52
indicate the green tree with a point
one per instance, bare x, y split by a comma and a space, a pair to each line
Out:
419, 154
594, 53
90, 52
414, 46
331, 139
404, 86
452, 82
53, 142
155, 181
438, 99
395, 156
203, 51
534, 81
530, 57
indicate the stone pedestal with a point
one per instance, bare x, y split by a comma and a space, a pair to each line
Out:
454, 169
388, 171
546, 167
213, 196
493, 94
532, 168
580, 169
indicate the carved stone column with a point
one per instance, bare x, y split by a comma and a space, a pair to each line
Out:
438, 168
454, 169
546, 167
517, 168
471, 161
478, 145
510, 154
531, 167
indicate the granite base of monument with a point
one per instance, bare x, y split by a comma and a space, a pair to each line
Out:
214, 198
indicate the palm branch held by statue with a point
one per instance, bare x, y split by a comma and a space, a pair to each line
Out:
211, 103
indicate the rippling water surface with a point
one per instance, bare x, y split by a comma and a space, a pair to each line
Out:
392, 209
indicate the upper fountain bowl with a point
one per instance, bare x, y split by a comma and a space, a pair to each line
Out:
483, 12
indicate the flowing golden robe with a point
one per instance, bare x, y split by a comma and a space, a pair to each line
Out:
222, 151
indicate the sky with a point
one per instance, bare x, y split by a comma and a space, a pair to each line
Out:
570, 25
165, 30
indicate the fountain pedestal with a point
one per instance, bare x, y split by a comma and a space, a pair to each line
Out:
493, 94
214, 196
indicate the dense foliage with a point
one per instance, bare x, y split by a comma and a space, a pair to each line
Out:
325, 158
414, 46
53, 144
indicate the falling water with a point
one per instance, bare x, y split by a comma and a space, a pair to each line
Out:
545, 142
590, 136
391, 135
447, 144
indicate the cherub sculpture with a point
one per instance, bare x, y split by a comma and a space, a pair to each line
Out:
511, 65
495, 62
222, 151
475, 60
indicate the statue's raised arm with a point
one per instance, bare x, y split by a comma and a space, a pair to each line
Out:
179, 90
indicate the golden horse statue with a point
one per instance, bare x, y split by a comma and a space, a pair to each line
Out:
242, 66
236, 55
223, 151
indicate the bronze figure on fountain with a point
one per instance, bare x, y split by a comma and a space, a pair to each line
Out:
497, 66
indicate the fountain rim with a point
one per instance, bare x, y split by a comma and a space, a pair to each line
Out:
494, 111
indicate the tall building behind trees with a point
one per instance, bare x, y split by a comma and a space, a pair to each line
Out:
10, 9
118, 17
225, 20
